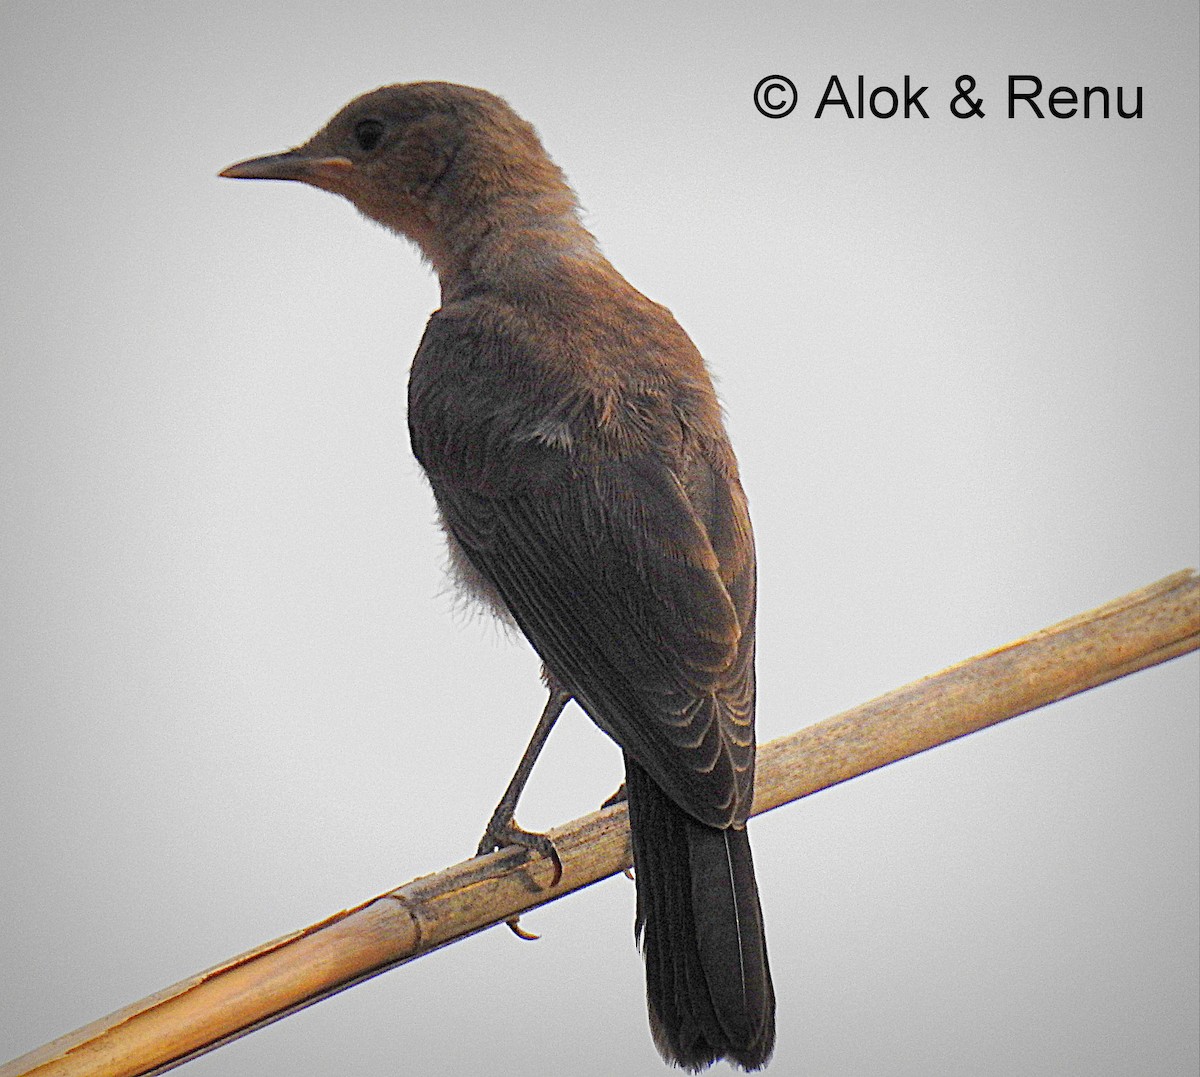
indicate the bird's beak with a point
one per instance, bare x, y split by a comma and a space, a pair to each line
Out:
293, 165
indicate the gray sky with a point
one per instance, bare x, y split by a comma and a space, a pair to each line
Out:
959, 359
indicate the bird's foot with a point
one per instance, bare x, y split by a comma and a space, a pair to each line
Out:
501, 833
504, 832
619, 797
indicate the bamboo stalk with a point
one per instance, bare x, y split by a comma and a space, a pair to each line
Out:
1141, 629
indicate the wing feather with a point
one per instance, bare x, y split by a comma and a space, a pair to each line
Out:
611, 574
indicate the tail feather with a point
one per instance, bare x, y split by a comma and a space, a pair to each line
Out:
698, 917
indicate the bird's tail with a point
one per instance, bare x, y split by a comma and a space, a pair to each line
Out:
701, 929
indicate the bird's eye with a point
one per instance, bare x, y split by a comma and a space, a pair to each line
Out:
367, 134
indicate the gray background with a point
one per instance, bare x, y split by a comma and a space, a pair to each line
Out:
959, 360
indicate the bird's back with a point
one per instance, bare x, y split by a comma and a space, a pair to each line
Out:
575, 446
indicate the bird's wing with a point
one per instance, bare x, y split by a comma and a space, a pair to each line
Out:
635, 584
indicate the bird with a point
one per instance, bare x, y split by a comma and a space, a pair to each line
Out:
577, 454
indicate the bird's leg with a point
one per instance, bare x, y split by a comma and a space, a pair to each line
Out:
502, 828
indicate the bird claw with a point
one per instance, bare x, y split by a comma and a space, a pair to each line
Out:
499, 835
514, 925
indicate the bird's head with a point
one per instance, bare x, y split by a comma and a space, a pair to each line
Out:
430, 160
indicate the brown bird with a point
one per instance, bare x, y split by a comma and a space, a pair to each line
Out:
574, 443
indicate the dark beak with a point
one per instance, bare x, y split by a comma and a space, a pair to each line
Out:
293, 165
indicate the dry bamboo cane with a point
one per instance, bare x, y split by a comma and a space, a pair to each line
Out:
196, 1015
